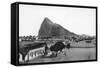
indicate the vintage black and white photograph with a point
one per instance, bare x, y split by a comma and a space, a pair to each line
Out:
56, 34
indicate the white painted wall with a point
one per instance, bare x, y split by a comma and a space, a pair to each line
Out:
33, 51
5, 34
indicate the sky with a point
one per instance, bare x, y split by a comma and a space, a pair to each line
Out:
77, 20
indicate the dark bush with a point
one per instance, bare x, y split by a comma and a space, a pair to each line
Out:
88, 41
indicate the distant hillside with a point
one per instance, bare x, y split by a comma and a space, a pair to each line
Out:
50, 29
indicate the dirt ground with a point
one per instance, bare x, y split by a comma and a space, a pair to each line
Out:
73, 54
83, 51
